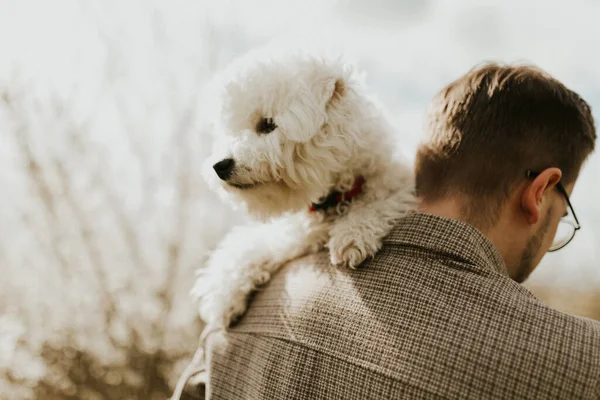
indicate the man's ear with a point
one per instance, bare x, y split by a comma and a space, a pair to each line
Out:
533, 195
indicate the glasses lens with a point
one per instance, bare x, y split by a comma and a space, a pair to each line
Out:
564, 234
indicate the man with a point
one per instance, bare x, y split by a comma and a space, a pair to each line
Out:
439, 312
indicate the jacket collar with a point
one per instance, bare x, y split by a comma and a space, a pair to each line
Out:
450, 237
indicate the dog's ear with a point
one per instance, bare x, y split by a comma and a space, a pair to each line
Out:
302, 121
335, 89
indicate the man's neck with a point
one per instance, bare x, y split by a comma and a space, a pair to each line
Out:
448, 208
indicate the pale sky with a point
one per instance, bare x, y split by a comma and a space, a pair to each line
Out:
409, 50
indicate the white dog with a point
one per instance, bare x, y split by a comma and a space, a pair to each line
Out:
304, 150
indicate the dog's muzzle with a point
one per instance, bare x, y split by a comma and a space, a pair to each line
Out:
224, 168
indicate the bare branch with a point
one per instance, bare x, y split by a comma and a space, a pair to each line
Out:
89, 242
37, 179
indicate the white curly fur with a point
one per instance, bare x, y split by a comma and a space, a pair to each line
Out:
328, 133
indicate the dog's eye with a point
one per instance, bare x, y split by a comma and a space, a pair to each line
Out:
265, 125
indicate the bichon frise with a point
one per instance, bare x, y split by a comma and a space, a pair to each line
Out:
304, 150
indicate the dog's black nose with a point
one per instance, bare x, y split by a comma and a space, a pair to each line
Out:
224, 168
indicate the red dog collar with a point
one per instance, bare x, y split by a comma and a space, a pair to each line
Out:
334, 198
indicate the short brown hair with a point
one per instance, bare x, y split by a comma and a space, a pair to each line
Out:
490, 126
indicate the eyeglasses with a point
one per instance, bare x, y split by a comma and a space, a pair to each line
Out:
566, 227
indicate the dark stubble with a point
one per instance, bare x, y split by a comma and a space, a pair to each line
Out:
533, 246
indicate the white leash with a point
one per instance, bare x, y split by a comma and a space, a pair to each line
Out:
197, 365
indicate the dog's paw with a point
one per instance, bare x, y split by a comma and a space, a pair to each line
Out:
350, 248
219, 304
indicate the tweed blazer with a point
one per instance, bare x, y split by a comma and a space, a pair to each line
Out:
433, 316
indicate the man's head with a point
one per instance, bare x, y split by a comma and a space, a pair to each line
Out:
487, 130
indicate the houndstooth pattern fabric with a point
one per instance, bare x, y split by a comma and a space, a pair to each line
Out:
433, 316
